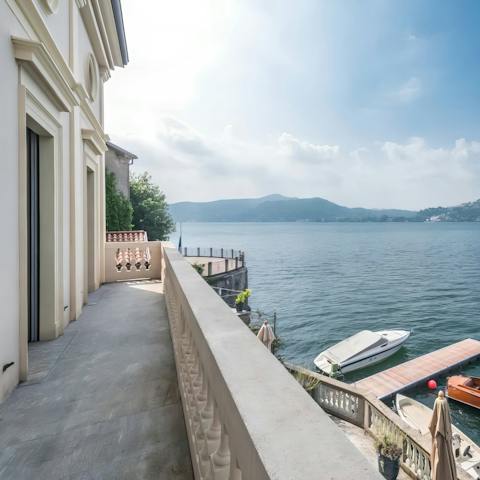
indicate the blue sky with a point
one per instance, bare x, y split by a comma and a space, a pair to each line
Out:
371, 103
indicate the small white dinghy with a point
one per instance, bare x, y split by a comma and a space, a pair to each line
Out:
417, 415
360, 350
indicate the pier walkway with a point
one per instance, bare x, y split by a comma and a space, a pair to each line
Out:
419, 370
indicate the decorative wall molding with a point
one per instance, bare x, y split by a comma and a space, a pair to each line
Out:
103, 31
35, 58
92, 76
94, 141
111, 31
51, 6
35, 21
99, 48
104, 74
88, 112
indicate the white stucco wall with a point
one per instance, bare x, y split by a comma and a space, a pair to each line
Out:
9, 280
19, 91
57, 24
81, 65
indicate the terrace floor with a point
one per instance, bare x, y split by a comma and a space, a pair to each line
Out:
102, 400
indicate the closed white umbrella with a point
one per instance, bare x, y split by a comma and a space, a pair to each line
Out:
266, 335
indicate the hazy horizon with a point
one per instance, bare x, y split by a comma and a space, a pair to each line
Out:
369, 103
308, 198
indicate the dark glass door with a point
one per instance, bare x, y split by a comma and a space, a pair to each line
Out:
33, 236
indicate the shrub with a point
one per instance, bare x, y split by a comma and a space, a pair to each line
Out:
118, 209
150, 209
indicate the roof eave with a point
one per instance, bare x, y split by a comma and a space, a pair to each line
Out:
122, 40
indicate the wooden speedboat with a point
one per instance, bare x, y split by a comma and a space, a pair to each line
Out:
464, 389
418, 416
361, 350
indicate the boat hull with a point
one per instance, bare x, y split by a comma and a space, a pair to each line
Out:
393, 341
418, 416
464, 390
369, 361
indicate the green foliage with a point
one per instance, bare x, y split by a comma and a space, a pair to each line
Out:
118, 209
387, 447
467, 212
150, 209
199, 268
243, 296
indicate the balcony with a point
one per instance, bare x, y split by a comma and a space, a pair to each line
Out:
102, 401
129, 392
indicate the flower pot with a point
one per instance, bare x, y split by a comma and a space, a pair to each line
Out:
387, 467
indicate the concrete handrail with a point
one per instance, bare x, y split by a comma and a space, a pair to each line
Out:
246, 417
365, 410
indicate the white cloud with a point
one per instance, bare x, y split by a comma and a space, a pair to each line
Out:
305, 151
413, 174
182, 137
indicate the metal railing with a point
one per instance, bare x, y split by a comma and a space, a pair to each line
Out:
230, 259
212, 252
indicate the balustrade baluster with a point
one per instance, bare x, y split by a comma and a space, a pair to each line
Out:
235, 472
220, 461
212, 428
427, 473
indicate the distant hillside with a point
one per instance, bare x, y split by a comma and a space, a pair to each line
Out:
277, 208
466, 212
219, 210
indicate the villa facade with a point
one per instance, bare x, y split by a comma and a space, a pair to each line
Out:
55, 57
159, 378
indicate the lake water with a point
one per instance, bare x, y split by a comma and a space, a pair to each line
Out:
327, 281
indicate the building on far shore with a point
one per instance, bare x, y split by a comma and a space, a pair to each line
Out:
118, 161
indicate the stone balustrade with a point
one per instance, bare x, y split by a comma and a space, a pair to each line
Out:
366, 411
132, 260
246, 417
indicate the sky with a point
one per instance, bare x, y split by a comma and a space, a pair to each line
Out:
368, 103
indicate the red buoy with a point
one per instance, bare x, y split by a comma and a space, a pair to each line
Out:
432, 384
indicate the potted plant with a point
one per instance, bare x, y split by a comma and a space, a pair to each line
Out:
199, 268
389, 454
241, 300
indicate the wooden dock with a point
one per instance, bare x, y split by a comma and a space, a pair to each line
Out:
421, 369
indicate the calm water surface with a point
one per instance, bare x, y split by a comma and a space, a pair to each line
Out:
327, 281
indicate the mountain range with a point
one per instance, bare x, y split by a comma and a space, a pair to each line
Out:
277, 208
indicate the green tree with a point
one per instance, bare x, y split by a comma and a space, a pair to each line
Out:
150, 208
118, 209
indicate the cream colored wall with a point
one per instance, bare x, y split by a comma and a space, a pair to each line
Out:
9, 280
70, 125
57, 23
81, 67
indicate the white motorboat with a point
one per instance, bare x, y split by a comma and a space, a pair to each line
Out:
418, 416
360, 350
